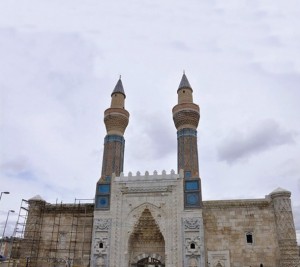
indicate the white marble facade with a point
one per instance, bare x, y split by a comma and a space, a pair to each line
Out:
147, 220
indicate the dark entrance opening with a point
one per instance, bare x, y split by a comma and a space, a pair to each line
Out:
149, 262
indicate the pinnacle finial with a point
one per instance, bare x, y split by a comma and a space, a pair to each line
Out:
184, 83
119, 88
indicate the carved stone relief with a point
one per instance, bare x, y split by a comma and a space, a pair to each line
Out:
218, 258
155, 211
101, 246
191, 223
101, 242
102, 224
193, 249
193, 246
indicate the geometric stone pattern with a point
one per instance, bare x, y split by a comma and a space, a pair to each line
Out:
188, 117
101, 242
188, 154
289, 252
193, 250
113, 155
116, 120
284, 218
146, 234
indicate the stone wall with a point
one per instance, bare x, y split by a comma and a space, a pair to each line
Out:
147, 219
57, 235
227, 224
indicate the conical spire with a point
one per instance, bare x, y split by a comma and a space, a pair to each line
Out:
119, 88
184, 82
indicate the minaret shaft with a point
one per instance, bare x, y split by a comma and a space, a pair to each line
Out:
113, 155
187, 158
186, 116
116, 120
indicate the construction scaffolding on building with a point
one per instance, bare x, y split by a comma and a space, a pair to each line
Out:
53, 235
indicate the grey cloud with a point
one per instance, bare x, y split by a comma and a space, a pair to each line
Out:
274, 40
162, 139
288, 78
19, 169
17, 165
180, 46
156, 135
264, 137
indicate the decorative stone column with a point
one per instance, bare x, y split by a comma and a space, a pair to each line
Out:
289, 251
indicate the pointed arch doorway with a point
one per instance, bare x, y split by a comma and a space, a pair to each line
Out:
149, 262
146, 243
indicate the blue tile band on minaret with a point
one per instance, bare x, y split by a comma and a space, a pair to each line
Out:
186, 132
186, 116
114, 138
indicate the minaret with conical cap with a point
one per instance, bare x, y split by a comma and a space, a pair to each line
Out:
116, 120
186, 116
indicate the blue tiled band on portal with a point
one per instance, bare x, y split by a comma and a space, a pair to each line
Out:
103, 188
186, 132
114, 138
192, 185
102, 202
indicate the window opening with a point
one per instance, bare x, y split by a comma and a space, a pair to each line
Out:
101, 245
249, 238
193, 246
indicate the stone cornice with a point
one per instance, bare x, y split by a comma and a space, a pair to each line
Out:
70, 208
151, 189
242, 203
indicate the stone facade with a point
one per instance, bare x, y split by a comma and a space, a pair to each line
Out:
159, 219
148, 220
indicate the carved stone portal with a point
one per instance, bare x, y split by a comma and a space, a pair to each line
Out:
146, 239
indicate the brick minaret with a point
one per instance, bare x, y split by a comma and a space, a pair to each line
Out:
186, 115
116, 120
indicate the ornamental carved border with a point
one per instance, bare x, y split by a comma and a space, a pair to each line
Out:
192, 223
151, 189
102, 224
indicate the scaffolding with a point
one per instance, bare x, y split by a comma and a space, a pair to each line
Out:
53, 235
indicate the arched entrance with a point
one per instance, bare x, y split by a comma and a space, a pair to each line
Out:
149, 262
146, 245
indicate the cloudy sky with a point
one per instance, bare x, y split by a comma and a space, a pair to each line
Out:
60, 61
